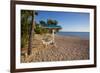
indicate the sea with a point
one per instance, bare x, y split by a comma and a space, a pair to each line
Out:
84, 35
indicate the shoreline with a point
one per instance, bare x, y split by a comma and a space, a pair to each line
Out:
71, 36
82, 35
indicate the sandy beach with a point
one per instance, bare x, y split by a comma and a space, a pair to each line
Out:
65, 48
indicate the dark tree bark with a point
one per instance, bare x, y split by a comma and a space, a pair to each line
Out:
31, 34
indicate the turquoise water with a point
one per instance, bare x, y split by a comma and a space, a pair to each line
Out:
84, 35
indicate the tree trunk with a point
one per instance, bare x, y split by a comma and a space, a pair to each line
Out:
31, 34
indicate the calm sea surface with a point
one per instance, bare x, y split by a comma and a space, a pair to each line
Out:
84, 35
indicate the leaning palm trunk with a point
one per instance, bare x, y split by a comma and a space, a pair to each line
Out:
31, 34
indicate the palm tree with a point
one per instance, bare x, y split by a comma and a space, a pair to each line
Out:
31, 32
25, 24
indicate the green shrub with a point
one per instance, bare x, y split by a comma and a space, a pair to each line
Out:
39, 30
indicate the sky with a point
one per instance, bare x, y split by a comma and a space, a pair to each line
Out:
69, 21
